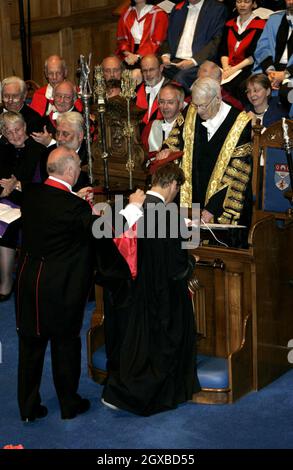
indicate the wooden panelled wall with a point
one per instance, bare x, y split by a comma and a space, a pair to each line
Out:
65, 27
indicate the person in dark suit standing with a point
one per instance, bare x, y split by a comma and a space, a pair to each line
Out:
53, 281
194, 34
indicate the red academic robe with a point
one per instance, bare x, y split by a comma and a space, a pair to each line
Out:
154, 31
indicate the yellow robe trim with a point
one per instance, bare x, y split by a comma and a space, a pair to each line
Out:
225, 154
186, 165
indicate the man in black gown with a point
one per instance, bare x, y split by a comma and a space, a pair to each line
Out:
157, 367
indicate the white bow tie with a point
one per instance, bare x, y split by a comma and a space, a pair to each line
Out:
166, 126
149, 89
55, 115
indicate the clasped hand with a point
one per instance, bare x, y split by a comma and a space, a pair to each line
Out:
8, 185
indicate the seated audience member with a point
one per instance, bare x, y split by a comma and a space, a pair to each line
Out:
194, 34
158, 133
55, 71
70, 133
14, 93
212, 70
261, 103
112, 68
21, 162
273, 54
152, 367
238, 45
147, 93
217, 159
142, 27
64, 96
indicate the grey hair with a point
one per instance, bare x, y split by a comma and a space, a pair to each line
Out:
59, 166
205, 88
180, 95
10, 117
215, 70
72, 86
13, 79
56, 57
73, 118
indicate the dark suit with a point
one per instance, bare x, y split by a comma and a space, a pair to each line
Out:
83, 179
54, 277
34, 122
205, 41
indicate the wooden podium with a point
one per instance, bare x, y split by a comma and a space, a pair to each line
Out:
243, 303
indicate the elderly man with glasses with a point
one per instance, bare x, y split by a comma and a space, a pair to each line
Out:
14, 93
64, 101
217, 158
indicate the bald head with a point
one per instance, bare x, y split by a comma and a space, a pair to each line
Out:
112, 68
64, 163
55, 70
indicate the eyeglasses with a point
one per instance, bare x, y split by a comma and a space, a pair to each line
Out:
13, 98
59, 96
204, 107
55, 74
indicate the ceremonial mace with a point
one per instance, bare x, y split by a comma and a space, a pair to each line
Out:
128, 92
99, 98
287, 145
86, 94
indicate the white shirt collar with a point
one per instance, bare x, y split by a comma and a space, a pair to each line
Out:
168, 125
49, 92
196, 6
214, 123
146, 9
62, 182
154, 90
154, 193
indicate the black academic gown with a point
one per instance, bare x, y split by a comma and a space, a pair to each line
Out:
157, 357
26, 164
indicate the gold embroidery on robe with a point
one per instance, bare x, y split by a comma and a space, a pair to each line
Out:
173, 139
225, 155
186, 165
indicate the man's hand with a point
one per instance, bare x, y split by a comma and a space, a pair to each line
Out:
276, 78
206, 216
137, 198
163, 154
130, 58
86, 193
185, 64
43, 138
166, 60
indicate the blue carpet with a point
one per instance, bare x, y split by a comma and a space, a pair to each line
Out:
260, 420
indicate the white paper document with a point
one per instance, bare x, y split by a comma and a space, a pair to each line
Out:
9, 214
166, 5
219, 226
227, 80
